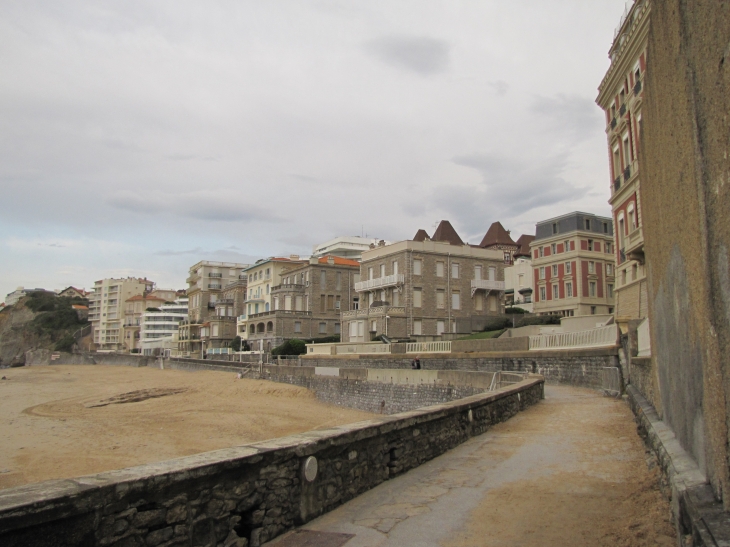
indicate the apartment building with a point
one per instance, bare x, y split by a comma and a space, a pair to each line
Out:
620, 96
159, 329
573, 265
350, 247
518, 278
206, 281
134, 309
106, 309
425, 286
306, 303
220, 328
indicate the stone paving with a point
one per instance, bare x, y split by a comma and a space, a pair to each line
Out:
569, 471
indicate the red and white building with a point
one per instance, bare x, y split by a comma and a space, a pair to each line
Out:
620, 96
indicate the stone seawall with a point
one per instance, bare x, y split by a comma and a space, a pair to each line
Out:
580, 368
246, 495
378, 397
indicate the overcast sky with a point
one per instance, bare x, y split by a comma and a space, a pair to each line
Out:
138, 137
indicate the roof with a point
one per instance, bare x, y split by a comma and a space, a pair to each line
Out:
143, 297
263, 261
446, 234
524, 245
421, 235
79, 307
496, 235
339, 261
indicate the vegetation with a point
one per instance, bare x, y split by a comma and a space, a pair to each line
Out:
66, 343
519, 320
290, 347
514, 309
152, 309
56, 318
238, 344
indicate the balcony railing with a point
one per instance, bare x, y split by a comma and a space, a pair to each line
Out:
288, 286
637, 87
627, 173
216, 286
378, 311
275, 312
617, 184
487, 284
621, 256
215, 275
599, 337
380, 282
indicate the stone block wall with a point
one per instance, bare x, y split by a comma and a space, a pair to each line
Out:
244, 496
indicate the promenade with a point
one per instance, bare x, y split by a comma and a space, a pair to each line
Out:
569, 472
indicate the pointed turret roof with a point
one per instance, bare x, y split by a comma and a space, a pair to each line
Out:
496, 235
524, 243
446, 234
421, 235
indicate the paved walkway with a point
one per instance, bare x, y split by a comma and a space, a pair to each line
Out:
568, 472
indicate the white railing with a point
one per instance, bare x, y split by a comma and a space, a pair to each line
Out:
593, 338
487, 284
362, 349
380, 282
428, 347
379, 311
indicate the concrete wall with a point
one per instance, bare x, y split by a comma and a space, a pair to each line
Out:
249, 494
491, 344
686, 198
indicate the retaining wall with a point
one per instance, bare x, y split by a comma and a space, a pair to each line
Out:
249, 494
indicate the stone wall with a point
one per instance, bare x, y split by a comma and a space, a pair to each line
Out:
247, 495
577, 367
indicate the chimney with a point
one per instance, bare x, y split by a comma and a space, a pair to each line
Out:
293, 257
330, 260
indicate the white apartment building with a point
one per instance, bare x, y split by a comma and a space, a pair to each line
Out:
350, 247
159, 328
106, 312
519, 285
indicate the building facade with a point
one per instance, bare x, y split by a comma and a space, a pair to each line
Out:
621, 96
134, 309
350, 247
106, 309
159, 329
305, 303
573, 265
206, 281
425, 287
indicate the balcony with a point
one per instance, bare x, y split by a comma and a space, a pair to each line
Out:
243, 277
634, 245
277, 312
224, 302
192, 279
288, 286
637, 87
375, 311
380, 283
215, 275
487, 284
215, 286
617, 184
627, 173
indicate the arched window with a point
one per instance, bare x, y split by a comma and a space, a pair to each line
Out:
632, 217
270, 327
252, 329
260, 328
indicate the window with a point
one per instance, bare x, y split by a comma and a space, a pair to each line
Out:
396, 297
634, 272
338, 282
590, 244
555, 227
395, 267
322, 301
555, 270
553, 248
492, 273
623, 277
322, 278
542, 272
627, 150
541, 252
337, 328
520, 280
478, 272
609, 269
382, 270
543, 293
609, 290
440, 327
417, 298
323, 328
593, 310
588, 224
268, 289
608, 248
417, 267
287, 302
610, 310
373, 326
569, 290
632, 217
337, 302
568, 268
567, 246
440, 297
605, 227
507, 259
556, 294
215, 329
591, 267
479, 301
455, 300
298, 303
439, 269
330, 302
592, 289
370, 273
455, 271
417, 329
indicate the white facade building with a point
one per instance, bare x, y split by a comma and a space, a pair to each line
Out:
350, 247
519, 285
159, 328
106, 312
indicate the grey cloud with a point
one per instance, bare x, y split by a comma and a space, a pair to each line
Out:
135, 203
422, 55
195, 251
509, 187
578, 116
500, 86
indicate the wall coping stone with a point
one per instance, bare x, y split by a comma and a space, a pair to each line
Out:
696, 510
50, 500
583, 352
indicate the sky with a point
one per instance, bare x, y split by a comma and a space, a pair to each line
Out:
138, 138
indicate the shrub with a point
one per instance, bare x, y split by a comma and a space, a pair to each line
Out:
66, 343
290, 347
514, 310
237, 344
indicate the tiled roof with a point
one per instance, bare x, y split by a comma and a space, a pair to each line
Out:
79, 307
446, 234
421, 235
142, 297
496, 235
339, 261
524, 243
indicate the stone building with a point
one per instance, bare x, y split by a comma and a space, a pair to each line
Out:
573, 265
134, 309
425, 286
206, 281
305, 303
621, 96
499, 239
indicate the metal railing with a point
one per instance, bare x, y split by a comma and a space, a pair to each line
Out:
428, 347
504, 378
387, 281
487, 284
592, 338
